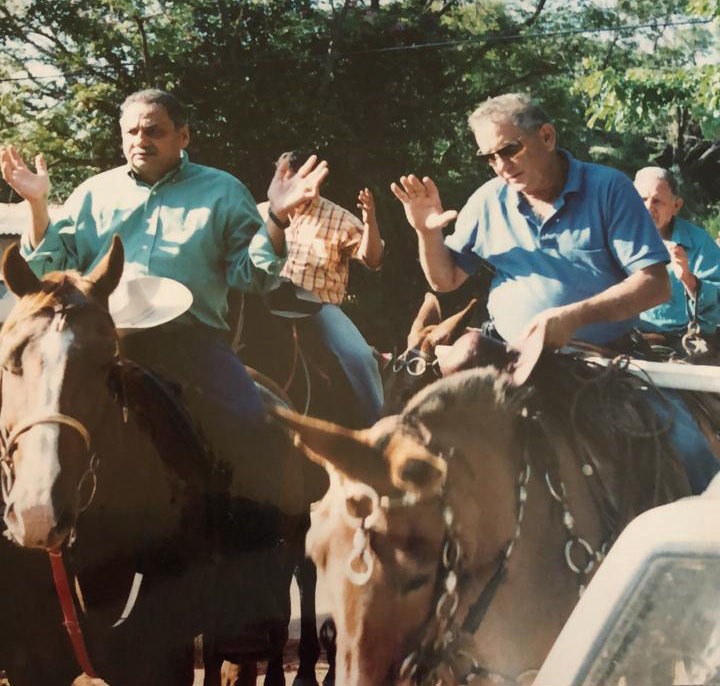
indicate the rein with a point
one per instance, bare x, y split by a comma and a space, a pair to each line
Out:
8, 443
70, 617
444, 653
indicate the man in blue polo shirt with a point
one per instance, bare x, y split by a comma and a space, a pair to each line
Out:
575, 252
694, 269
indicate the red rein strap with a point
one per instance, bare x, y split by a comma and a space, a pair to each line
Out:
69, 614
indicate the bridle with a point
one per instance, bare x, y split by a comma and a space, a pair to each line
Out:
445, 652
416, 363
9, 441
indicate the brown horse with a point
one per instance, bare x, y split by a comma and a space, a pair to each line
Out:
417, 366
101, 463
456, 537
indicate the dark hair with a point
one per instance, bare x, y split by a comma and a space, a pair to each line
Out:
296, 158
154, 96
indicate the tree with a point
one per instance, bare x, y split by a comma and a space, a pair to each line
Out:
379, 88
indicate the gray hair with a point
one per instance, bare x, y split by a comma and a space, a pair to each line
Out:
519, 108
154, 96
659, 174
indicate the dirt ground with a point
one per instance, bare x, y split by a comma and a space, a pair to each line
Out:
291, 665
291, 653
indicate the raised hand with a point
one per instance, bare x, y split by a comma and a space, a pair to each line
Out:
366, 205
681, 266
32, 186
422, 204
289, 190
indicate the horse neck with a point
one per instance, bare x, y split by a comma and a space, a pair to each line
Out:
138, 500
539, 590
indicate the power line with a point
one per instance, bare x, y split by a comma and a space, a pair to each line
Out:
499, 38
483, 38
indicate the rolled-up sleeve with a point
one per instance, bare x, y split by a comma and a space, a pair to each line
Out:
263, 255
57, 251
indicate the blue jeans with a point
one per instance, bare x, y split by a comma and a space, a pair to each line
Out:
688, 440
336, 331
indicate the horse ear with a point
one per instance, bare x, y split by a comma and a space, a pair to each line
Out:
20, 279
350, 452
448, 330
428, 314
107, 273
413, 468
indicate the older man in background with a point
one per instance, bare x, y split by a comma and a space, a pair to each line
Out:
694, 268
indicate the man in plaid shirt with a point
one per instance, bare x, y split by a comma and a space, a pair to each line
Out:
313, 247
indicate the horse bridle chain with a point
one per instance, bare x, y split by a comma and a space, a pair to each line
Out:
442, 640
8, 443
415, 362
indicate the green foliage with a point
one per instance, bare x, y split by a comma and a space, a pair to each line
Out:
378, 88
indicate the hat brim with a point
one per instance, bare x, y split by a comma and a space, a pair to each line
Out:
146, 301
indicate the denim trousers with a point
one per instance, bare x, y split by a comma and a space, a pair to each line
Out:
688, 440
332, 328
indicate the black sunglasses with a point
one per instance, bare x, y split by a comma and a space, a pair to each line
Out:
507, 152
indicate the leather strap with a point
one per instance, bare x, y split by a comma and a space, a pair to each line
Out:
70, 619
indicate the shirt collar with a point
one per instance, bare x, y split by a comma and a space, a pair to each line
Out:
573, 182
175, 171
574, 174
679, 233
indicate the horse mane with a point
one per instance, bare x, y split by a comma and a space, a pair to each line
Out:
480, 384
605, 415
161, 413
597, 414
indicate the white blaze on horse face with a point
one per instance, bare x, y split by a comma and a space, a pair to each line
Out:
33, 517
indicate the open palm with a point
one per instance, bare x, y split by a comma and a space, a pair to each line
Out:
288, 190
29, 185
422, 204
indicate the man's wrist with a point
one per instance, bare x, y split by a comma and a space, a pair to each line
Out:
281, 223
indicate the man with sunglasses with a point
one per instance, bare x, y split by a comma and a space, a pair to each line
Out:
575, 252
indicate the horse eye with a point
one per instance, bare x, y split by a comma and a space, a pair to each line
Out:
415, 584
416, 366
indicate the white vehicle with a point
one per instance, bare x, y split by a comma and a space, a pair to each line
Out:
651, 615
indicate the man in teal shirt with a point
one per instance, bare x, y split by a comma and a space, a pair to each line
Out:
180, 220
694, 269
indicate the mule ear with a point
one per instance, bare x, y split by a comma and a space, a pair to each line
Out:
107, 273
350, 452
428, 315
447, 331
20, 279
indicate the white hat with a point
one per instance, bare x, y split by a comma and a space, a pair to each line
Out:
144, 301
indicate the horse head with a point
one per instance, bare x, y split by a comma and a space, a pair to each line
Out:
419, 522
417, 366
56, 349
437, 347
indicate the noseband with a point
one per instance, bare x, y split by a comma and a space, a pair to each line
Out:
9, 440
446, 648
